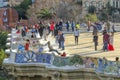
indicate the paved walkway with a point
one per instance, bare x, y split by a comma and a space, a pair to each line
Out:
86, 46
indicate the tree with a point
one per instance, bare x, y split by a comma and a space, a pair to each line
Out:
22, 8
107, 12
92, 17
45, 14
2, 56
103, 16
3, 40
91, 9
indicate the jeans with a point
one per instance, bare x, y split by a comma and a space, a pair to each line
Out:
61, 45
76, 39
105, 47
72, 28
67, 28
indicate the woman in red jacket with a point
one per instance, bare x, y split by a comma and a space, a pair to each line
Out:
52, 25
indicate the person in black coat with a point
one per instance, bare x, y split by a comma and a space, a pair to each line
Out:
40, 29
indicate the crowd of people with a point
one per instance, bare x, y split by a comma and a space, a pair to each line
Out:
108, 37
56, 29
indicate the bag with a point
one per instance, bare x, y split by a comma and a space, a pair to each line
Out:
110, 47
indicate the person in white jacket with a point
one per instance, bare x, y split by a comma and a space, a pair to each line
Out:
76, 35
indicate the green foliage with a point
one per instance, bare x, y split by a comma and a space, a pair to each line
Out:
2, 78
76, 59
106, 12
25, 4
91, 9
103, 17
79, 2
44, 14
3, 39
92, 17
2, 56
22, 8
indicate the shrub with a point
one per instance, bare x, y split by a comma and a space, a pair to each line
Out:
76, 59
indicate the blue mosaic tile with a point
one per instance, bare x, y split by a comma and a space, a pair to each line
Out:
31, 57
44, 58
100, 66
19, 58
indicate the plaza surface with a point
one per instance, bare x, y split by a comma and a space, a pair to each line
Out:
86, 46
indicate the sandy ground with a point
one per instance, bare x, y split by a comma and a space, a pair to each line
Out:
86, 46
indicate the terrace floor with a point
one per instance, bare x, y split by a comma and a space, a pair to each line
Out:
86, 46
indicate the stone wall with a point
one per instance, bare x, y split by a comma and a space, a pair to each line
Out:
40, 72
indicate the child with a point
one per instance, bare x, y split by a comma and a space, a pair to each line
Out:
27, 44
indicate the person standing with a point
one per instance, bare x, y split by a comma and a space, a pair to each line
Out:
77, 25
23, 32
67, 25
61, 40
56, 32
52, 26
106, 40
113, 28
76, 35
40, 29
95, 31
72, 25
61, 25
104, 31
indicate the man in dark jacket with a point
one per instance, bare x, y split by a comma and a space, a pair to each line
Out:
61, 40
